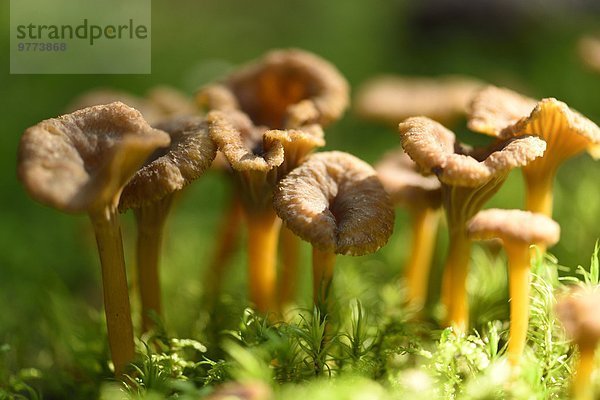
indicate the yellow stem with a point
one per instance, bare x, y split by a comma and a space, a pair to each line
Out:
454, 285
539, 197
114, 282
424, 230
225, 246
150, 220
323, 264
518, 267
263, 234
581, 387
290, 254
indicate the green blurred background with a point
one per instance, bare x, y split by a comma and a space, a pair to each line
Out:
50, 296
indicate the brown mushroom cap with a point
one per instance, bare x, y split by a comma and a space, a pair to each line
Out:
503, 113
190, 153
171, 102
494, 109
432, 147
514, 226
405, 184
81, 161
589, 52
578, 313
96, 97
336, 202
297, 145
161, 102
286, 88
241, 142
393, 99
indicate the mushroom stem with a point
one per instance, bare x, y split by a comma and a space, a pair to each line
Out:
150, 220
581, 386
323, 264
424, 230
290, 253
114, 281
539, 193
518, 267
225, 246
263, 234
455, 279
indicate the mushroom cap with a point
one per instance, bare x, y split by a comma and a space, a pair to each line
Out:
285, 88
336, 202
171, 102
514, 226
393, 99
242, 143
81, 161
504, 113
162, 102
495, 109
297, 145
589, 52
578, 313
432, 147
100, 96
404, 183
190, 153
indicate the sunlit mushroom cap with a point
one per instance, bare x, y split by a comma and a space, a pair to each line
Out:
514, 226
432, 147
493, 110
393, 99
161, 102
97, 97
285, 88
405, 184
81, 161
190, 153
504, 113
336, 202
589, 52
578, 313
171, 102
242, 143
297, 144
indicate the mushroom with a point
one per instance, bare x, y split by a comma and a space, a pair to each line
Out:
468, 181
392, 99
284, 89
150, 193
579, 315
518, 230
336, 202
259, 158
160, 103
503, 113
589, 52
80, 162
421, 194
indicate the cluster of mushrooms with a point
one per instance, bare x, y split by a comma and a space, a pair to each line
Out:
260, 127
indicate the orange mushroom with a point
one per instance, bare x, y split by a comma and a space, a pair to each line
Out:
336, 202
80, 162
150, 193
259, 158
503, 113
468, 181
579, 315
421, 195
518, 230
